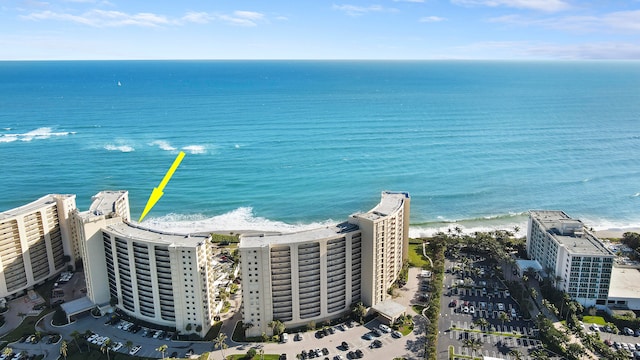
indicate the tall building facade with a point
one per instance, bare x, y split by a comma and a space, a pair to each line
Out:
159, 277
571, 255
317, 275
35, 243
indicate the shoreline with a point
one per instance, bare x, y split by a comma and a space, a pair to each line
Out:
612, 233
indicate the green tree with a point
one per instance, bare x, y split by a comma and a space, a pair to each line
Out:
502, 316
128, 345
359, 311
516, 354
251, 353
220, 342
162, 349
472, 344
482, 322
277, 326
63, 349
75, 335
7, 351
574, 351
106, 347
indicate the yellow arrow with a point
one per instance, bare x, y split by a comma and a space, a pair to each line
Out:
157, 192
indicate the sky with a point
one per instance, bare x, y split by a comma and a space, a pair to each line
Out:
318, 29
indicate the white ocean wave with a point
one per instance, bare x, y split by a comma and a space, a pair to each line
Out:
8, 138
238, 219
163, 145
37, 134
121, 148
195, 149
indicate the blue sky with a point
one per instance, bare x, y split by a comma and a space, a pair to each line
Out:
318, 29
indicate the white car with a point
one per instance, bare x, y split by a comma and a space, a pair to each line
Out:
506, 293
500, 307
135, 350
472, 310
396, 334
116, 346
384, 328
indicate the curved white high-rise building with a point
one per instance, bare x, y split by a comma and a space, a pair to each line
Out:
317, 275
159, 277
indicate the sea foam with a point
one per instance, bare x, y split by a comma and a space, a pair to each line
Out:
37, 134
239, 219
163, 145
195, 149
121, 148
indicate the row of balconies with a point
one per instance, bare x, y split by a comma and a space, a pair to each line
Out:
308, 268
282, 276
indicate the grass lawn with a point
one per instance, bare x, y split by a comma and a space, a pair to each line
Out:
415, 256
26, 327
405, 330
417, 308
594, 320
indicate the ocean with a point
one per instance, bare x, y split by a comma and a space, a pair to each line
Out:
291, 145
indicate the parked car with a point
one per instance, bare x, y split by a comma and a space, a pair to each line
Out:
345, 345
135, 350
396, 334
384, 328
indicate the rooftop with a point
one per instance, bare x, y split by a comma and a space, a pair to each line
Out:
260, 240
390, 203
136, 232
32, 206
624, 283
103, 202
570, 233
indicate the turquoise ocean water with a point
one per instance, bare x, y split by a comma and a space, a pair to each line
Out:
287, 145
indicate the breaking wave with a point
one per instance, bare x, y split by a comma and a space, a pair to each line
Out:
121, 148
163, 145
240, 219
37, 134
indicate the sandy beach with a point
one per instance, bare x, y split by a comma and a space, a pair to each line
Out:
615, 233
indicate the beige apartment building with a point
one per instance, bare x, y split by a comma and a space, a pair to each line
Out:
317, 275
159, 277
35, 243
578, 262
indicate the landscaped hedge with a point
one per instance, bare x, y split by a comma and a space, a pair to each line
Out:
436, 252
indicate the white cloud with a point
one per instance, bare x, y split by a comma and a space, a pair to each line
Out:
430, 19
542, 5
104, 18
354, 10
539, 50
621, 21
197, 17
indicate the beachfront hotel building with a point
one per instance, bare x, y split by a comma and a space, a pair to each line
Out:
162, 278
567, 251
35, 243
317, 275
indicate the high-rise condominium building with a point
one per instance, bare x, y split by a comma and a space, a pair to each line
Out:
159, 277
317, 275
34, 243
577, 261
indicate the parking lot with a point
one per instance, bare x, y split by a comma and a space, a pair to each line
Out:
476, 305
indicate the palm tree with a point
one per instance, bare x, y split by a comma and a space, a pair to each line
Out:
63, 349
517, 354
534, 293
472, 344
482, 322
76, 335
502, 316
162, 349
128, 345
106, 347
219, 342
7, 351
261, 352
539, 354
277, 326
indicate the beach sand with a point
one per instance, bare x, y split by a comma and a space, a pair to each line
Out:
615, 233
